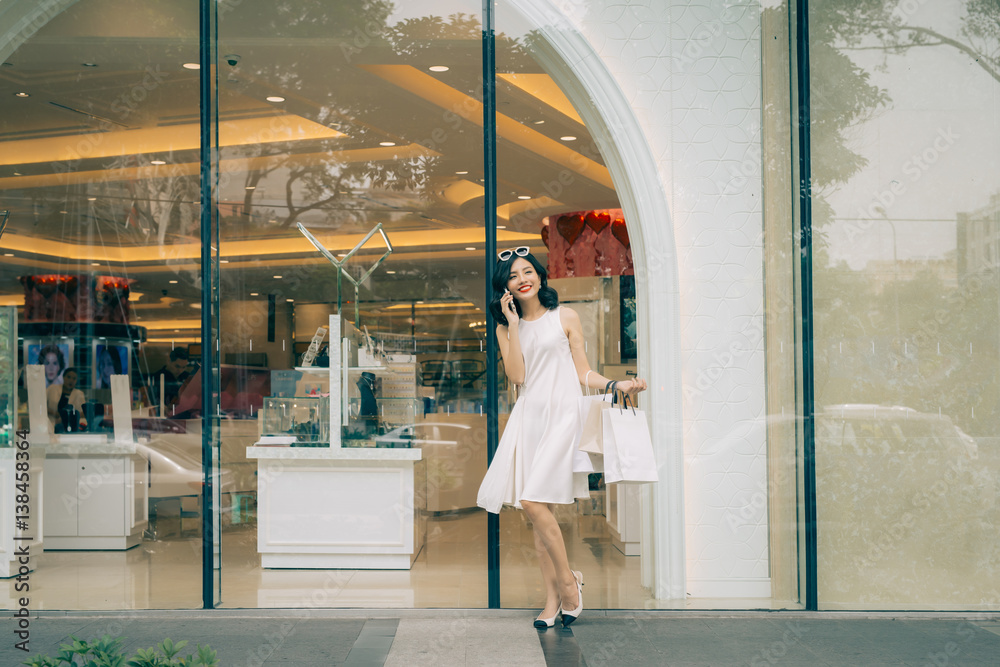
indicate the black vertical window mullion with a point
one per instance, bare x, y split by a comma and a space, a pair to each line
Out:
207, 108
805, 278
490, 220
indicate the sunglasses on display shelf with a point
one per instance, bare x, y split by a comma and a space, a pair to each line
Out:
520, 251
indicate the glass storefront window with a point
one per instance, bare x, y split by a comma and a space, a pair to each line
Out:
555, 194
347, 403
352, 120
99, 172
906, 305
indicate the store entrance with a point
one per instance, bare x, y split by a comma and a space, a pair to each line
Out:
349, 387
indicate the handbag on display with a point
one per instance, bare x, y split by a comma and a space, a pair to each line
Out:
628, 448
591, 407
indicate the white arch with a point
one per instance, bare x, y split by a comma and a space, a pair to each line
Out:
581, 74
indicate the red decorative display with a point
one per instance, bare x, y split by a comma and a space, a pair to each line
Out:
82, 298
588, 243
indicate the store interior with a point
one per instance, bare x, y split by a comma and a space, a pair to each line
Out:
344, 124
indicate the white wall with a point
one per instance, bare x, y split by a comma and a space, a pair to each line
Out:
691, 71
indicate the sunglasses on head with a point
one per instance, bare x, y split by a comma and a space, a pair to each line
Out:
520, 251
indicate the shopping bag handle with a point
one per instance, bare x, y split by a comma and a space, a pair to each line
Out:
625, 401
609, 388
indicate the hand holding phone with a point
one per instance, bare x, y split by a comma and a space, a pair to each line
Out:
508, 300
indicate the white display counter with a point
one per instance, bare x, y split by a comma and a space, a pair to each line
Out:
13, 539
339, 508
95, 494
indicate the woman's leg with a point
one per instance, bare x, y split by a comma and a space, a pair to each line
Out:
548, 577
547, 530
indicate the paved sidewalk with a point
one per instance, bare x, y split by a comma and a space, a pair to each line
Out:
405, 638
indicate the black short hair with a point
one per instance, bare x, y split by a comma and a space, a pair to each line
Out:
178, 353
71, 369
546, 295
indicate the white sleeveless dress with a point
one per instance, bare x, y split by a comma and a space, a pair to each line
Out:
534, 459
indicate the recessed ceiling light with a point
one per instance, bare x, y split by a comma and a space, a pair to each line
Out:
501, 226
251, 187
341, 254
470, 248
89, 64
91, 198
274, 98
568, 137
191, 66
390, 272
63, 212
172, 282
461, 173
277, 277
539, 122
95, 263
17, 173
21, 95
387, 143
8, 254
157, 162
223, 261
289, 300
254, 293
196, 305
524, 196
438, 68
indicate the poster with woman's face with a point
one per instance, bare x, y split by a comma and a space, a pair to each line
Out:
109, 360
56, 357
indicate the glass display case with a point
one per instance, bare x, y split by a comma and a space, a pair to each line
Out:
379, 391
8, 374
297, 422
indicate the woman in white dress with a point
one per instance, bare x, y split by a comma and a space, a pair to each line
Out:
543, 353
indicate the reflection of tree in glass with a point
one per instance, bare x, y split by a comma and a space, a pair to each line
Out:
891, 24
899, 341
327, 78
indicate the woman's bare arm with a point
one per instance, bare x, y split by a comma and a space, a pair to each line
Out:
510, 350
588, 377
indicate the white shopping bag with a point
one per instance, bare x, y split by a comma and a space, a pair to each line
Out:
591, 429
628, 449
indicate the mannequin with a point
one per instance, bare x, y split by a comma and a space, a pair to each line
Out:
369, 406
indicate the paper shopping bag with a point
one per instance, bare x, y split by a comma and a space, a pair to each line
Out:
628, 449
591, 431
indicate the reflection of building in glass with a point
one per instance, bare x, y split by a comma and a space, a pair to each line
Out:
979, 239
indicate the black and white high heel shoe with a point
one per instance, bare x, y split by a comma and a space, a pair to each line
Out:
570, 615
546, 622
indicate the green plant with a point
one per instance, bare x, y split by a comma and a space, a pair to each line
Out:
107, 652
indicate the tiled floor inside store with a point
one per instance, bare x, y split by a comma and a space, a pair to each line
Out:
449, 572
